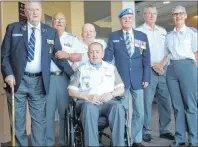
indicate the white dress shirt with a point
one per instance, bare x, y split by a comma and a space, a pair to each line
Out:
35, 65
181, 44
156, 38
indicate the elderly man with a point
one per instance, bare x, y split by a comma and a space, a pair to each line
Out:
26, 55
130, 50
89, 36
156, 36
58, 96
98, 87
181, 46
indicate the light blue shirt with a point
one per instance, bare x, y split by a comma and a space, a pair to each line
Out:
181, 44
132, 39
156, 38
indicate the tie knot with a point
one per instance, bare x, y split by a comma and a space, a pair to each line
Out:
127, 33
33, 28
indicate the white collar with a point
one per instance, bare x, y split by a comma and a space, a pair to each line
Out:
130, 32
182, 30
37, 27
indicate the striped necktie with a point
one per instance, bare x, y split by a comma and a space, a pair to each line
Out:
31, 45
128, 43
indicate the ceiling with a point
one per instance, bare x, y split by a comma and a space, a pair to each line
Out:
99, 13
164, 12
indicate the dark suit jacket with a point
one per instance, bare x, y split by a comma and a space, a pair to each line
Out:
14, 52
135, 69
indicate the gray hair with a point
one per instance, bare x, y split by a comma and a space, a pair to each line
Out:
32, 1
146, 8
178, 7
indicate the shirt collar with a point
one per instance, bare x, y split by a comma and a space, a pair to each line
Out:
182, 30
91, 66
149, 28
130, 32
38, 27
63, 35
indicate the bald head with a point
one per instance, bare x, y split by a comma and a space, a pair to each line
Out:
59, 22
88, 33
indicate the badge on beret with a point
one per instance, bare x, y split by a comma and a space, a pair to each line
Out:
130, 11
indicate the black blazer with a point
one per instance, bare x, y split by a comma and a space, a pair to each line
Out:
14, 53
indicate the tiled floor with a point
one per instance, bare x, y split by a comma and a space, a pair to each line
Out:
155, 134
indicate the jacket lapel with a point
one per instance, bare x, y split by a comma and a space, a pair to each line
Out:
123, 42
24, 31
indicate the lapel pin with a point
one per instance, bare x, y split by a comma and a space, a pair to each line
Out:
24, 28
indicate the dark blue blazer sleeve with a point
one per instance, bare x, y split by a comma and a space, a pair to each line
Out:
146, 62
61, 63
5, 53
109, 51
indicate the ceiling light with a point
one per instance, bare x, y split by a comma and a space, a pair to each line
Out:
166, 2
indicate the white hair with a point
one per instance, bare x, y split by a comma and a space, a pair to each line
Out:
146, 8
32, 1
178, 7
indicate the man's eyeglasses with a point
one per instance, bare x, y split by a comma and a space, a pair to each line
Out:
149, 13
178, 14
59, 20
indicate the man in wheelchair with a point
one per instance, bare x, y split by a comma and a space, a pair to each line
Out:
98, 88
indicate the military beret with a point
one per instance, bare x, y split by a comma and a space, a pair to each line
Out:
125, 12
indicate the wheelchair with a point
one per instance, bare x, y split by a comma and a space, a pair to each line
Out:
74, 131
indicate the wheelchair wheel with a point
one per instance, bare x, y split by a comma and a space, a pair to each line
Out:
69, 130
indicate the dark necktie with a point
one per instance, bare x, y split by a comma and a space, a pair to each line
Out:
31, 45
128, 43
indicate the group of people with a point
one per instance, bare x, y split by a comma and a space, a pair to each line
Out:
47, 65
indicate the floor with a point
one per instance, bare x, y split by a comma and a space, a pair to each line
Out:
156, 141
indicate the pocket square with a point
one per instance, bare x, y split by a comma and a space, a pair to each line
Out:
15, 35
116, 40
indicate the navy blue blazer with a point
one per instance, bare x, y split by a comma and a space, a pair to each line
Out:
14, 53
135, 69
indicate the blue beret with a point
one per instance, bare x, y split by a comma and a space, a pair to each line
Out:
125, 12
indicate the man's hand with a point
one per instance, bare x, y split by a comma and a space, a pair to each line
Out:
10, 80
93, 99
74, 65
106, 97
145, 84
158, 68
62, 55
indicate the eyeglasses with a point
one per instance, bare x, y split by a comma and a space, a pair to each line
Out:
178, 14
149, 13
59, 20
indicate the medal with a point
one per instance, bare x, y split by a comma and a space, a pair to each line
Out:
87, 85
